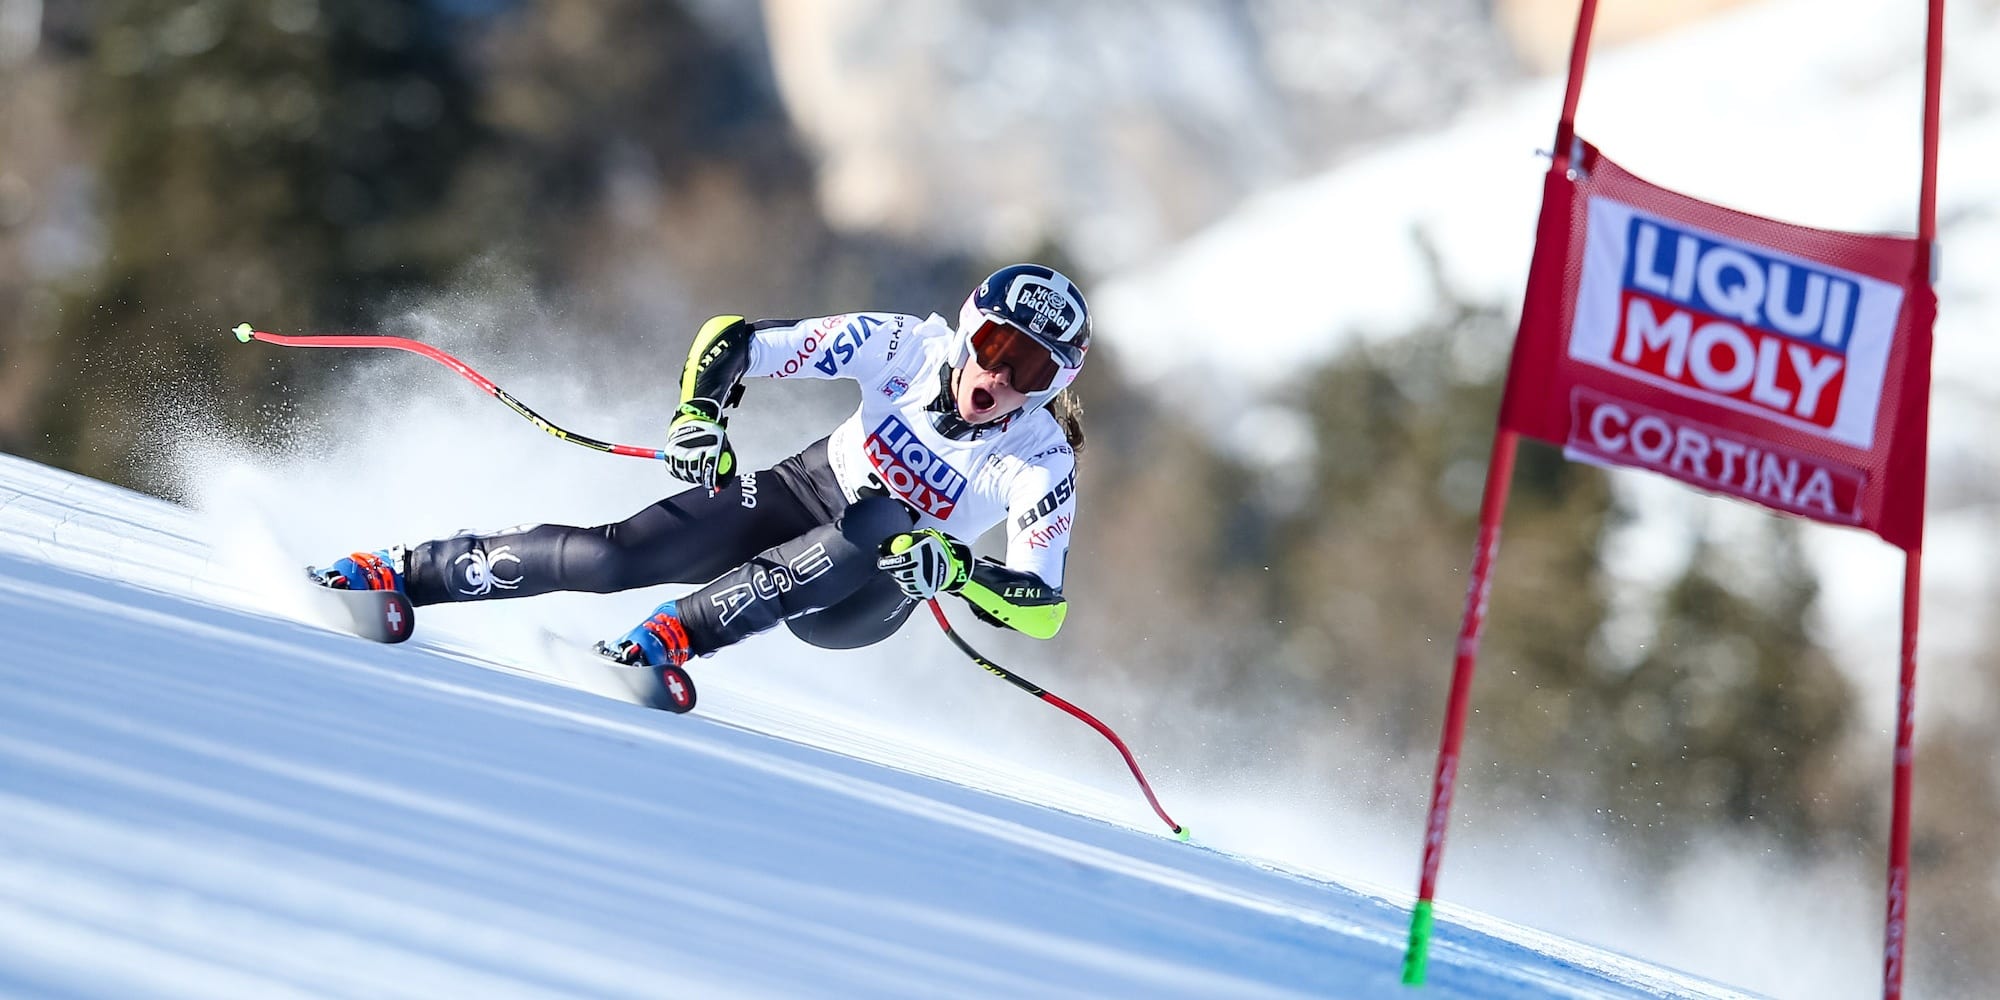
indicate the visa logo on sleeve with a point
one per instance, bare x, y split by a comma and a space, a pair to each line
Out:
841, 346
915, 472
1753, 328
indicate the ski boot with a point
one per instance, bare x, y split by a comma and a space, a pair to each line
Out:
659, 641
660, 646
363, 593
381, 569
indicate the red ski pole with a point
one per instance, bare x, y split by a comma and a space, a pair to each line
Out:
1026, 685
245, 334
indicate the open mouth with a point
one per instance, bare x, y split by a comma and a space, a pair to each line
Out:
982, 400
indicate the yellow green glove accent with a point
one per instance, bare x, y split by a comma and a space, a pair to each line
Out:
1042, 621
717, 338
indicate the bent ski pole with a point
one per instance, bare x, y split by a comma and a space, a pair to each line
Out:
1024, 684
245, 334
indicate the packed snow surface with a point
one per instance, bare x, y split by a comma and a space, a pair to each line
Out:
206, 796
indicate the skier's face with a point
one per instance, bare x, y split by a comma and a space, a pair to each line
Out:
985, 396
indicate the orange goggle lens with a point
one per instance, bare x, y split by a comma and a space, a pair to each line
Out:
1031, 366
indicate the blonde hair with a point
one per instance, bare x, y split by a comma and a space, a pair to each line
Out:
1068, 411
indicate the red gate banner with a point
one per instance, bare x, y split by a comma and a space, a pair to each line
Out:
1786, 366
1775, 363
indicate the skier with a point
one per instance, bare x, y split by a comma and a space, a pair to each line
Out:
954, 434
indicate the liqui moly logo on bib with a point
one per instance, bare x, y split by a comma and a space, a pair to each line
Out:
1733, 323
913, 470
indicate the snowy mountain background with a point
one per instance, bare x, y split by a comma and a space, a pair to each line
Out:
1822, 129
1803, 111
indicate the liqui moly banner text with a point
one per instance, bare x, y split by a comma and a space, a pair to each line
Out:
1733, 323
1743, 356
1607, 431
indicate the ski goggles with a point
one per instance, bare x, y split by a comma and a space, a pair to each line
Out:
1032, 364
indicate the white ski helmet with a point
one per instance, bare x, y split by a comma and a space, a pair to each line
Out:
1023, 313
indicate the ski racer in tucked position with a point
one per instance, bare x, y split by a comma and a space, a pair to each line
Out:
953, 435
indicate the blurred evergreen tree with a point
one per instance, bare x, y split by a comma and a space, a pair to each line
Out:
1731, 716
1404, 431
33, 144
662, 181
1954, 919
285, 162
583, 86
309, 166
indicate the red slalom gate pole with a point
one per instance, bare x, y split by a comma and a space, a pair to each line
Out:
1499, 477
1492, 510
1085, 717
1895, 922
1896, 919
245, 334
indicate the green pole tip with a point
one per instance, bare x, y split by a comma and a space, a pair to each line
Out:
1182, 833
243, 332
1417, 957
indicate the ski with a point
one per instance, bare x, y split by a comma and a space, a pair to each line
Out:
386, 616
592, 668
379, 615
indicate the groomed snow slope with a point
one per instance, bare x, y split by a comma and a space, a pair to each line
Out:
209, 801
